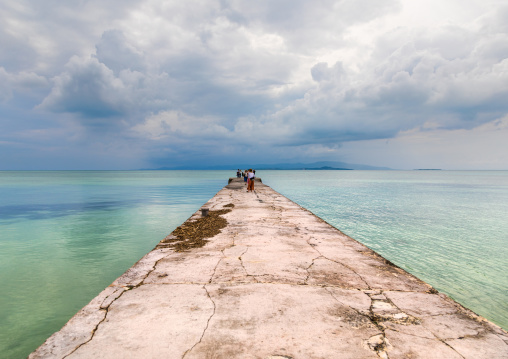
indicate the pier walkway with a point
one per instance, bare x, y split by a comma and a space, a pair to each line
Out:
272, 281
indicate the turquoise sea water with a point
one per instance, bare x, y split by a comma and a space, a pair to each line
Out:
449, 228
65, 236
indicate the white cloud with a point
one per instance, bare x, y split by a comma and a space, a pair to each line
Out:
416, 77
178, 126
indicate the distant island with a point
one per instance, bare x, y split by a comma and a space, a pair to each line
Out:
314, 166
428, 169
324, 168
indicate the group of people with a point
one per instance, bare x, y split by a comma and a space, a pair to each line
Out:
248, 177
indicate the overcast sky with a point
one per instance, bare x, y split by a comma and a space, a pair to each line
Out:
124, 84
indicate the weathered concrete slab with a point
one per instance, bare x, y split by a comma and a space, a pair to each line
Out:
151, 321
276, 282
283, 320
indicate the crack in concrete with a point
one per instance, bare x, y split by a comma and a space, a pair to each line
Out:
215, 269
245, 269
106, 311
435, 338
443, 340
148, 273
436, 315
452, 348
342, 264
381, 344
346, 305
411, 335
241, 261
91, 337
109, 296
207, 323
223, 256
399, 291
308, 270
504, 339
352, 270
407, 319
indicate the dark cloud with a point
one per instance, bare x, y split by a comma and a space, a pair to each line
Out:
88, 88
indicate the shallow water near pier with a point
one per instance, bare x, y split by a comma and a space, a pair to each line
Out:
66, 235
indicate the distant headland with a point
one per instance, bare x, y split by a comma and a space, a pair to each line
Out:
323, 165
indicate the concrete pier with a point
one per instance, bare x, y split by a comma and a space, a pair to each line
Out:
261, 277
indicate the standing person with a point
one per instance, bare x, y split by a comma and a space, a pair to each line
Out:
238, 173
245, 177
250, 186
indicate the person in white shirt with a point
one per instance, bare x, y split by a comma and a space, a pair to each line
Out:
250, 185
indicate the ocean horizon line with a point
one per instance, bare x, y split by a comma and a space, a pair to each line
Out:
256, 168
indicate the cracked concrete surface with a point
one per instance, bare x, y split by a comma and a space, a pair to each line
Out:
277, 282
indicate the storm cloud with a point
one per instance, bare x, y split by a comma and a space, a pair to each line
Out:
149, 84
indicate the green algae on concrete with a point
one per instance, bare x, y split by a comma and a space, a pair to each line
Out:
275, 282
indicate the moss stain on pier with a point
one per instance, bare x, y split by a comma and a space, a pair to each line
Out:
192, 234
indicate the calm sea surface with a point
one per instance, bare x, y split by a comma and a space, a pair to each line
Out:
65, 236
